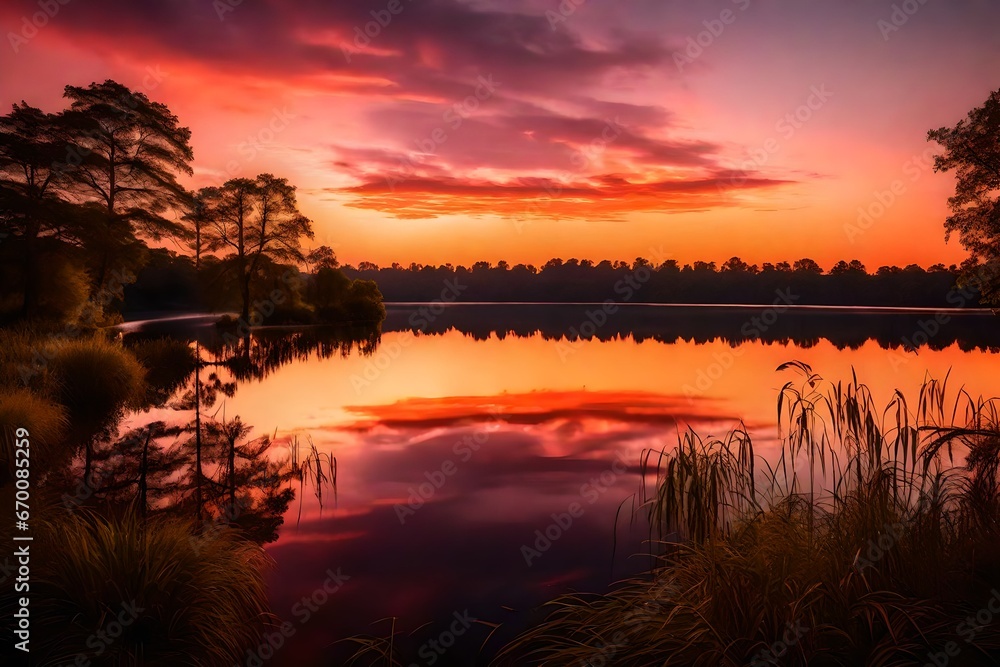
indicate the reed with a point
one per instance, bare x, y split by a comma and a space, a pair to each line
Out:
869, 538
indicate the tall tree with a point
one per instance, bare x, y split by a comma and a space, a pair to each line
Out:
253, 220
197, 218
126, 154
30, 200
972, 150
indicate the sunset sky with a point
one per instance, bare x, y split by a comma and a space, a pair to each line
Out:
525, 129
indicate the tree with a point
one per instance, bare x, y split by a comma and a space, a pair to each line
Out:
247, 489
735, 264
842, 267
197, 217
31, 203
126, 151
255, 219
972, 150
322, 257
807, 265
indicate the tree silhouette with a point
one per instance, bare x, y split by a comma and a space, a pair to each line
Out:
125, 152
738, 265
972, 150
255, 220
33, 208
322, 257
807, 265
842, 267
197, 218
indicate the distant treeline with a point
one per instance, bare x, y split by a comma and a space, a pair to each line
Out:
904, 332
803, 282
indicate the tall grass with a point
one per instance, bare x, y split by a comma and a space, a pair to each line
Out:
316, 469
202, 599
868, 538
44, 420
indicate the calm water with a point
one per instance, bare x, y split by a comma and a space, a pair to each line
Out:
455, 444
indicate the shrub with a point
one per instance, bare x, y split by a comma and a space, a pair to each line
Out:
97, 380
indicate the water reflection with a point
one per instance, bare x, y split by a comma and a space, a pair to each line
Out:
801, 326
457, 449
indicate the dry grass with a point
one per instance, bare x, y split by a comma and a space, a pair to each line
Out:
203, 598
45, 422
869, 540
98, 381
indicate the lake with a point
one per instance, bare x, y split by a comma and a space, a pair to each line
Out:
488, 455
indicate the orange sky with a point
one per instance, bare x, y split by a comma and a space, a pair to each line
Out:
695, 157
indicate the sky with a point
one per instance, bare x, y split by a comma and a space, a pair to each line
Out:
438, 131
